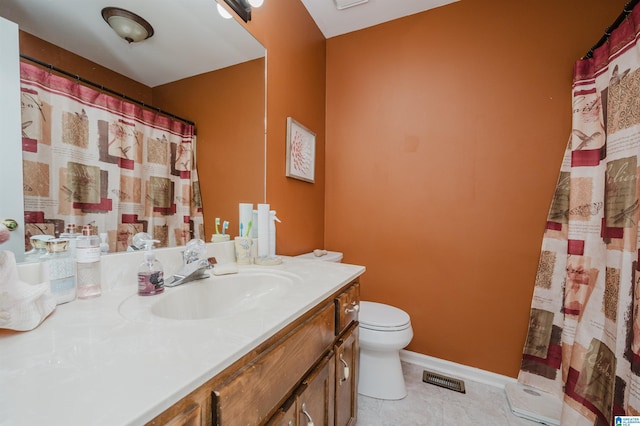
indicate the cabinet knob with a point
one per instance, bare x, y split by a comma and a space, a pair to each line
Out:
355, 308
345, 370
307, 415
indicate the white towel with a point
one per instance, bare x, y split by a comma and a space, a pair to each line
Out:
23, 306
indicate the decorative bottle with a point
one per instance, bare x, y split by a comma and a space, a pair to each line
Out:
71, 234
272, 232
88, 264
150, 273
104, 243
58, 266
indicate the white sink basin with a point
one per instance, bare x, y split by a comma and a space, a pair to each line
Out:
218, 296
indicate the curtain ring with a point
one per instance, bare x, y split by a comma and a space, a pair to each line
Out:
626, 6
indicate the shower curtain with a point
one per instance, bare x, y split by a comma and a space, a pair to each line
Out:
91, 158
583, 342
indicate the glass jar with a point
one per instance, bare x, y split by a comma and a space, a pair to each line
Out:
57, 265
39, 248
88, 264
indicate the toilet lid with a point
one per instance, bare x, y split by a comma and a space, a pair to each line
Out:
378, 316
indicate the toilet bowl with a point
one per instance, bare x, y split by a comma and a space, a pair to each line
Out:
384, 331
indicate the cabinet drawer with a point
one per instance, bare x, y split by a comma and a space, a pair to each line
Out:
189, 417
347, 308
249, 396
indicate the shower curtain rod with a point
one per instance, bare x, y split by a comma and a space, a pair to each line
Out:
626, 11
104, 89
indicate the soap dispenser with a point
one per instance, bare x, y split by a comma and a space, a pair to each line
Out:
150, 273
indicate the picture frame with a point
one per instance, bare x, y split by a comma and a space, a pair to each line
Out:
301, 151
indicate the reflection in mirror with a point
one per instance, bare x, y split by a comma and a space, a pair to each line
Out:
222, 88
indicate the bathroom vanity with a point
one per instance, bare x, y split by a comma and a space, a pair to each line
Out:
284, 355
306, 372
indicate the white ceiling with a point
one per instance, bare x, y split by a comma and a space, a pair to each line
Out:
190, 36
333, 22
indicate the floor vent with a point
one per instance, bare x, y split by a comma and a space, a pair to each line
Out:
443, 381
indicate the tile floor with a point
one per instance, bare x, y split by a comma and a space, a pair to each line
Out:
430, 405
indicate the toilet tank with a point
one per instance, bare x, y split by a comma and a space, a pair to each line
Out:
330, 256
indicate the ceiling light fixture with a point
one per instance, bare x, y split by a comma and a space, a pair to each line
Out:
241, 7
127, 25
223, 12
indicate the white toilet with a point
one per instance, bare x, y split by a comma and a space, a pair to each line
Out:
384, 331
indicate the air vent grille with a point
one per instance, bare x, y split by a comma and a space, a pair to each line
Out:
443, 381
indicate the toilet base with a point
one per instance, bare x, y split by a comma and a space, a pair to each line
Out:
381, 375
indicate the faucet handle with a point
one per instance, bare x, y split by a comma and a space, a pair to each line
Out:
195, 249
211, 262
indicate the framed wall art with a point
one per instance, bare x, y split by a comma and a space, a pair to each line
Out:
301, 151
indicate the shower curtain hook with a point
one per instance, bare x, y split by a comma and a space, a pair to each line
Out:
626, 7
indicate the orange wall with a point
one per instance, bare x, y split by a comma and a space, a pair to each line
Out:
296, 66
445, 134
228, 108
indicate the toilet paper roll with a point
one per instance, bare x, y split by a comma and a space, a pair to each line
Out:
263, 230
245, 214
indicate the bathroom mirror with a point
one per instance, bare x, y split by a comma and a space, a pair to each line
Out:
192, 49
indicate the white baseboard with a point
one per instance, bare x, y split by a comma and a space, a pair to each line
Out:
456, 370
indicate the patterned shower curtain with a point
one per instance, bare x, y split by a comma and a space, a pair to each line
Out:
90, 158
583, 342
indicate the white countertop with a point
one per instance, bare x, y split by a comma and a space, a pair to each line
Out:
89, 364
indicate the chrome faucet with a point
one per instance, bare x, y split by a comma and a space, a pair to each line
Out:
192, 271
194, 250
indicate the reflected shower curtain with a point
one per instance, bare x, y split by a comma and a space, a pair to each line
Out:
93, 158
583, 342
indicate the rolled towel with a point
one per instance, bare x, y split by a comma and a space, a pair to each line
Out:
23, 306
5, 235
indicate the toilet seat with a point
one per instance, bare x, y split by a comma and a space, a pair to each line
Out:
381, 317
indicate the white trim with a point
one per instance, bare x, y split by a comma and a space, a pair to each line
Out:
456, 370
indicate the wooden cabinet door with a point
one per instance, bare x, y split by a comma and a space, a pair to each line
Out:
347, 353
249, 396
315, 402
285, 416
